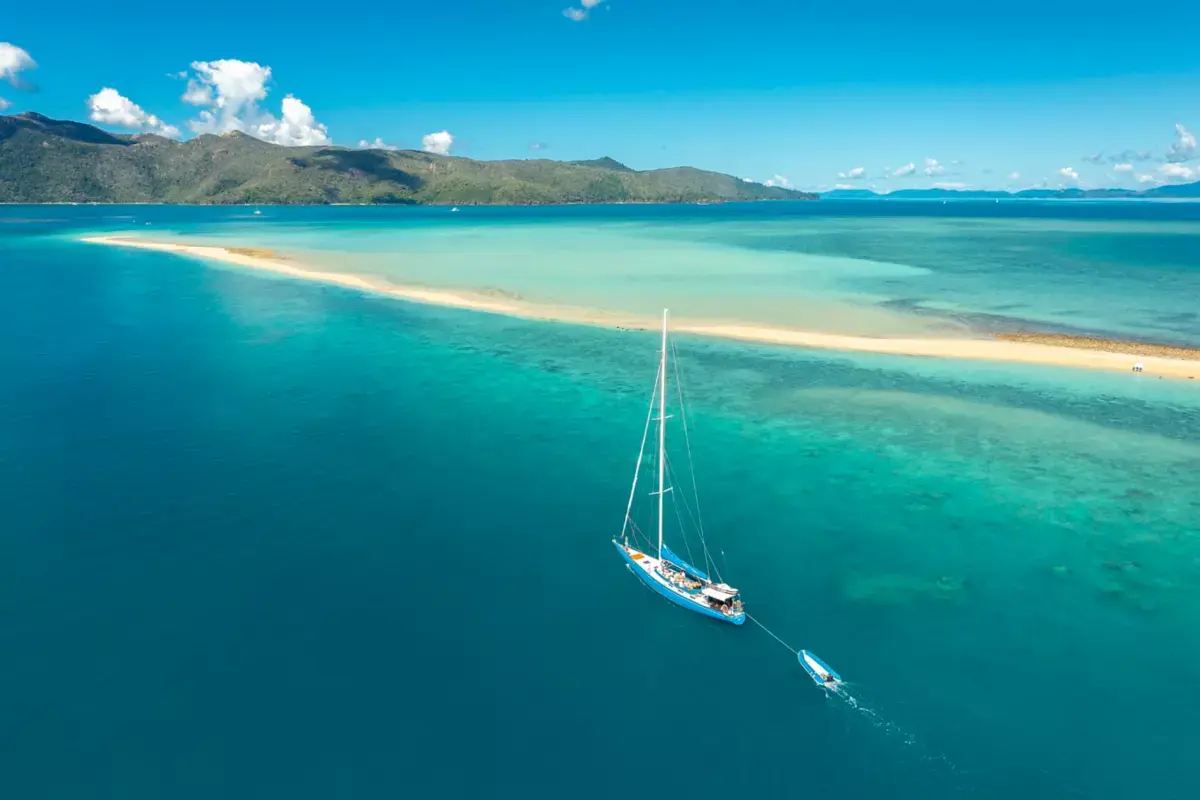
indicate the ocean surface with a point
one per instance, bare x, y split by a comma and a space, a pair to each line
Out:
269, 538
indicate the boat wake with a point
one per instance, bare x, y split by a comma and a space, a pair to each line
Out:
841, 692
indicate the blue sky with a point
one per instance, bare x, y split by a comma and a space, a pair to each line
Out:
759, 89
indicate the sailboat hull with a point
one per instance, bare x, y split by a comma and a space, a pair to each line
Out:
645, 568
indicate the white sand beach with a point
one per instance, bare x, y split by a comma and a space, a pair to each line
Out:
1023, 349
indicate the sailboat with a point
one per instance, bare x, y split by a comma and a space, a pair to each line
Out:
664, 571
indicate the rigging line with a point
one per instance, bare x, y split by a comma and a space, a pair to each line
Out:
641, 452
682, 500
675, 502
772, 635
637, 532
709, 561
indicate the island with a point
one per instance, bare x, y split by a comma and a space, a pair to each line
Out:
44, 160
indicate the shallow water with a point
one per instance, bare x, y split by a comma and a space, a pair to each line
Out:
267, 536
883, 268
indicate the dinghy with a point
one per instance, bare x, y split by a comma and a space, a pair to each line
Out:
821, 673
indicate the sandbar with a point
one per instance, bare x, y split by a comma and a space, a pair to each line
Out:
1048, 349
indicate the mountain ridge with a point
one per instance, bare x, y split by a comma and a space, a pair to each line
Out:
43, 160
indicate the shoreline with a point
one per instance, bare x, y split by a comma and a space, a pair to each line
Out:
1023, 348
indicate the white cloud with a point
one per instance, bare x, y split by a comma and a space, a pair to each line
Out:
378, 144
108, 107
198, 94
538, 145
297, 126
932, 167
905, 171
12, 61
748, 180
1123, 168
778, 180
580, 14
1146, 178
1184, 146
230, 85
856, 174
1177, 173
1014, 176
844, 186
1069, 173
949, 185
230, 90
437, 143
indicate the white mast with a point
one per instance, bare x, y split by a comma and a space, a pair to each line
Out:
662, 429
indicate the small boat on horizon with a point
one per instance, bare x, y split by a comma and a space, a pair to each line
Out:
664, 571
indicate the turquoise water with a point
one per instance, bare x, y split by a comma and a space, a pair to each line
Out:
269, 537
1121, 269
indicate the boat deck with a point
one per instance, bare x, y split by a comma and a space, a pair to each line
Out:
649, 570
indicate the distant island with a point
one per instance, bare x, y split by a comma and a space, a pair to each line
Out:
1185, 190
44, 160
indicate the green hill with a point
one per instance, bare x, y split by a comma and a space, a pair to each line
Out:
53, 161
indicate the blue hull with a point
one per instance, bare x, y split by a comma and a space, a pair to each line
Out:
812, 672
674, 598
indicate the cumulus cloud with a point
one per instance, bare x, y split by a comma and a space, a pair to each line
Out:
109, 107
949, 185
1184, 146
296, 126
198, 94
932, 167
778, 180
905, 171
13, 61
1177, 173
229, 92
1069, 174
580, 14
1147, 178
856, 174
378, 144
437, 143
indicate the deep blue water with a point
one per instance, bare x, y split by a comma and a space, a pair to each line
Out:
261, 537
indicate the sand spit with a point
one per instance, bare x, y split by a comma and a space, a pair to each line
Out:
1024, 348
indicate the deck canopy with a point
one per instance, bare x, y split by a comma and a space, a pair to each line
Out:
717, 594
